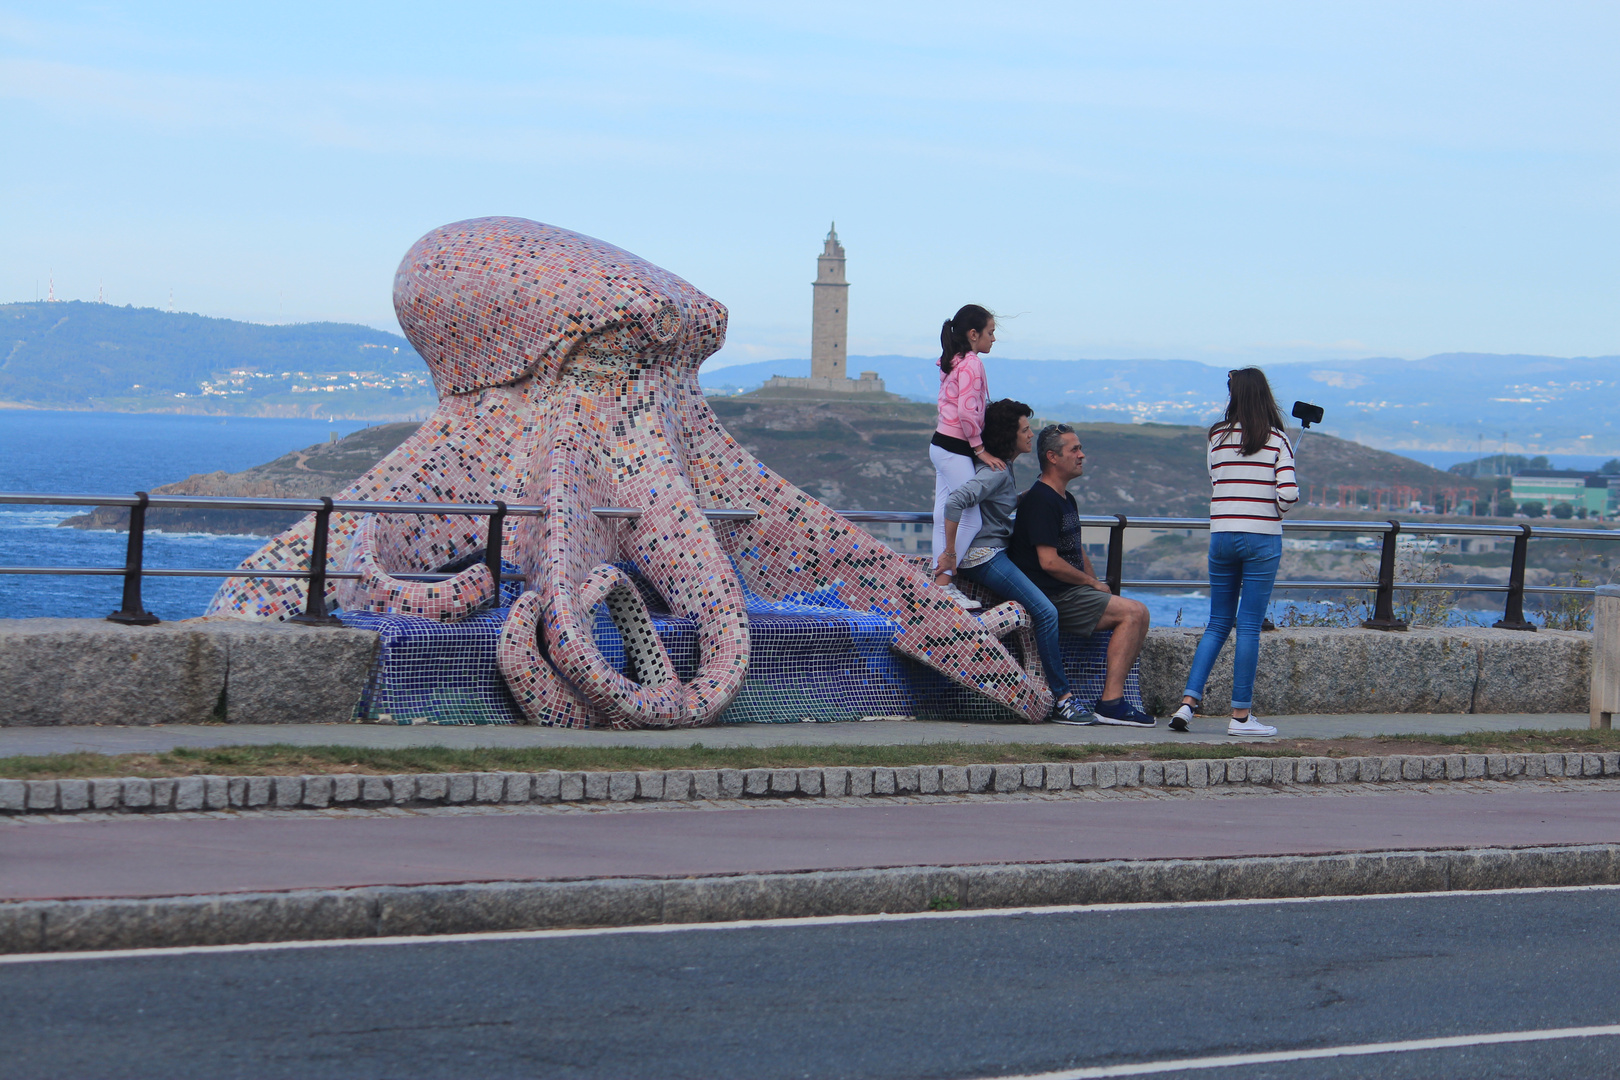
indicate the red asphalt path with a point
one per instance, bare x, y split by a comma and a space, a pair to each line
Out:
155, 857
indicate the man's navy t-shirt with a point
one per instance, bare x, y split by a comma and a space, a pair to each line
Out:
1047, 519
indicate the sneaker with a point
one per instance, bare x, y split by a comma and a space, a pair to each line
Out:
958, 597
1251, 727
1123, 714
1070, 711
1182, 718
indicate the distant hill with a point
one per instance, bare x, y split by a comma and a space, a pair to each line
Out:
77, 355
1545, 404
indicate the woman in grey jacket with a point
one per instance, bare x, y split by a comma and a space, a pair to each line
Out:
1007, 434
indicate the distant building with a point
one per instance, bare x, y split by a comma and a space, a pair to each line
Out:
829, 332
1580, 489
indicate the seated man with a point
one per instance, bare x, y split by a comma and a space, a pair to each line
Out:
1046, 547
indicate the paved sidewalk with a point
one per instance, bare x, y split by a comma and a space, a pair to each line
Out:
157, 738
145, 857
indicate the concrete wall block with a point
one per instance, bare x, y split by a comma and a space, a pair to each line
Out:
757, 782
318, 791
1215, 770
1237, 770
650, 784
1535, 766
237, 786
41, 794
14, 794
1548, 671
1474, 766
596, 786
953, 779
705, 784
1411, 766
1611, 764
163, 793
784, 782
1083, 775
1008, 778
621, 786
1591, 764
104, 794
905, 780
1106, 772
1496, 766
189, 792
1197, 773
488, 787
260, 789
1305, 770
345, 789
283, 673
571, 787
1282, 770
678, 784
1260, 770
137, 793
928, 779
860, 782
1455, 767
1034, 777
1057, 776
1515, 765
980, 777
731, 784
1327, 770
1434, 766
73, 794
1153, 774
91, 671
835, 782
289, 791
433, 787
374, 789
809, 781
883, 782
548, 786
1127, 774
402, 788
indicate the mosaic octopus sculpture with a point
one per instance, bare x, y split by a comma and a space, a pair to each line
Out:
566, 370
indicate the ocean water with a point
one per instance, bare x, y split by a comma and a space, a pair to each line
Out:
119, 454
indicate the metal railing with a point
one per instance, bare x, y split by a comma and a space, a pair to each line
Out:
131, 611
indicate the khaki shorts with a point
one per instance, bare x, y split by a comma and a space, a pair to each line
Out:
1079, 608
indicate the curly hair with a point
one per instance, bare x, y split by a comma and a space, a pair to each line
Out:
1001, 427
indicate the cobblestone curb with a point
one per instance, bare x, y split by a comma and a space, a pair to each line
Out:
386, 911
318, 792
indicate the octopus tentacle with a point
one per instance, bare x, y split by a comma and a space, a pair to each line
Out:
536, 687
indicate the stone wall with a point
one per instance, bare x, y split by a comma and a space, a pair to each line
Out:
89, 671
1452, 670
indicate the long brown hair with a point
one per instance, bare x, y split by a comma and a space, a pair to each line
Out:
1250, 408
953, 339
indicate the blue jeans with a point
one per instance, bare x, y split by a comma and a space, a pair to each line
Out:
1242, 569
1001, 577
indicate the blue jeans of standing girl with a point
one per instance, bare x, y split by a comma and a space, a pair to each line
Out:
1242, 569
1001, 577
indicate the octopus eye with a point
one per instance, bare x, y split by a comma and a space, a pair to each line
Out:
667, 323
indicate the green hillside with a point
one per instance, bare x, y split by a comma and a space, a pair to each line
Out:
77, 355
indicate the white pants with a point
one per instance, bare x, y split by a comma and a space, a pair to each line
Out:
951, 471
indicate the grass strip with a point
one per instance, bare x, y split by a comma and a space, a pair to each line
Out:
280, 759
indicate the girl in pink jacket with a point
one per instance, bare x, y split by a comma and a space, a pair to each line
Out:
959, 432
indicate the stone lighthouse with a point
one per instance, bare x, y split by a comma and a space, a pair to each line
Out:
829, 334
829, 318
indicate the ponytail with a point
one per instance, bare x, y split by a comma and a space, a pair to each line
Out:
953, 334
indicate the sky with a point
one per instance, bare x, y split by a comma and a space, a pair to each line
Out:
1231, 183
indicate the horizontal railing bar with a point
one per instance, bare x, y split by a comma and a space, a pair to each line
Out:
903, 517
332, 575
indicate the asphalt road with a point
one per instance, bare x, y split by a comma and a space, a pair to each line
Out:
986, 996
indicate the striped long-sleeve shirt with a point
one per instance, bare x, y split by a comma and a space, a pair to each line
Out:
1251, 494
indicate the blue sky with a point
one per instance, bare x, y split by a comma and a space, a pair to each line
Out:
1232, 182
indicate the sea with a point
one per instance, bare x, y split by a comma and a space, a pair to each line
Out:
121, 453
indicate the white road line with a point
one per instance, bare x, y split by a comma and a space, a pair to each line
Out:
1361, 1050
753, 924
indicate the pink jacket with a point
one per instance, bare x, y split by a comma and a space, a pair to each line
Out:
962, 396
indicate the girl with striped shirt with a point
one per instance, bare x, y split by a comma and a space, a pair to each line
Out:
1251, 472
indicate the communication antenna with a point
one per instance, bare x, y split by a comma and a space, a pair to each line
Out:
51, 297
101, 292
171, 298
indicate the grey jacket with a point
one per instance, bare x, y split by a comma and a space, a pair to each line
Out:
995, 493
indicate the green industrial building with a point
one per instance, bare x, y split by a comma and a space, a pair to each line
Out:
1580, 489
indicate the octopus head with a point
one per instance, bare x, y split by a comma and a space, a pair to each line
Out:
490, 301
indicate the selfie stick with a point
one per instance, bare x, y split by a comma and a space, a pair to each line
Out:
1307, 414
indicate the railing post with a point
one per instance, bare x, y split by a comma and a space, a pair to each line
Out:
492, 546
1116, 555
132, 612
314, 613
1384, 603
1513, 618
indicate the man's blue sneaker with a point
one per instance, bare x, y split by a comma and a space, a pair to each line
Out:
1068, 711
1120, 713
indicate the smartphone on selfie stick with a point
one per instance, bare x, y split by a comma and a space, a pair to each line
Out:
1307, 414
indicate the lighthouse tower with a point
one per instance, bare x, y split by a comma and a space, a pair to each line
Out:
829, 335
829, 319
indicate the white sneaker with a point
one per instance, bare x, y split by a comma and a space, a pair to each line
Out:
1183, 716
1251, 727
958, 597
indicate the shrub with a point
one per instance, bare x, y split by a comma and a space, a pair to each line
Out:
1563, 511
1533, 509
